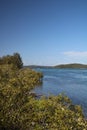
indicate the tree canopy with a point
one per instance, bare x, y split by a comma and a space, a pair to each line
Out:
14, 59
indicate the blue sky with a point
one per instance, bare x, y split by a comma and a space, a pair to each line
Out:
44, 32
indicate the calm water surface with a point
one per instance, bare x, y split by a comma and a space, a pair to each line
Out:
72, 82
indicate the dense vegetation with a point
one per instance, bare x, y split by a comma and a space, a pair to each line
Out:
19, 110
14, 59
74, 66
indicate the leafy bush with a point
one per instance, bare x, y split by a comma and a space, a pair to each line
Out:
14, 59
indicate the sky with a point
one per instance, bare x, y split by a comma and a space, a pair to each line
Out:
44, 32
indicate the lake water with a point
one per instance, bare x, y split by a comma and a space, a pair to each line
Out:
72, 82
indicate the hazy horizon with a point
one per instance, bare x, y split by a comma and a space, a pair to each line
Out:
44, 32
53, 65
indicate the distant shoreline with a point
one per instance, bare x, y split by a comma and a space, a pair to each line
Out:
61, 66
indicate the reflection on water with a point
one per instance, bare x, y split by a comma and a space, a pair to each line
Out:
73, 82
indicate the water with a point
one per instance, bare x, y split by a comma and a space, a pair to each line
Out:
72, 82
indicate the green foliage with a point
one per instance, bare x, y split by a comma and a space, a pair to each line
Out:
15, 86
55, 113
15, 59
21, 111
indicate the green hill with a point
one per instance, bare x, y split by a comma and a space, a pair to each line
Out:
74, 65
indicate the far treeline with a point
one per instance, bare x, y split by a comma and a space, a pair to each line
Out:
62, 66
20, 110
